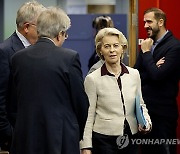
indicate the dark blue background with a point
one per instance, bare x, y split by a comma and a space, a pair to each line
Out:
81, 35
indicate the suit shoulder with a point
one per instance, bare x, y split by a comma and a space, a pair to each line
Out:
66, 56
19, 53
6, 44
68, 51
9, 40
173, 41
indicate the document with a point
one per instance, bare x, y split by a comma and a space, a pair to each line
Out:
139, 113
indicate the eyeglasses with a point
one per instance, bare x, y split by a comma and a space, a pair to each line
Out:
65, 34
28, 24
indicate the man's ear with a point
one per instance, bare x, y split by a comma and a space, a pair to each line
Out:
25, 27
59, 36
161, 22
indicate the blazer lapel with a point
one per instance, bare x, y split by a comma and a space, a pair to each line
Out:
16, 43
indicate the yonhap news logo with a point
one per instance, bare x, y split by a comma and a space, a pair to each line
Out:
156, 141
123, 141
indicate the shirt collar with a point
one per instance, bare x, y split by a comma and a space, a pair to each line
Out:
104, 70
24, 41
49, 39
160, 39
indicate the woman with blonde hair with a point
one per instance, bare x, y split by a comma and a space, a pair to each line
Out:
112, 90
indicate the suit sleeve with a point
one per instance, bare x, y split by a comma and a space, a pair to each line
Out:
5, 127
139, 66
79, 97
170, 66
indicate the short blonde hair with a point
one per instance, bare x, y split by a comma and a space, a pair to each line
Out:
109, 32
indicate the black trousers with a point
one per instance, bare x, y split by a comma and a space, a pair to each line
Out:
105, 144
162, 128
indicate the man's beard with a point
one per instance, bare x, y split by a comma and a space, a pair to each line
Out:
154, 34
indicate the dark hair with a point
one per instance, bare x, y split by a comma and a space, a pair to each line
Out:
158, 14
101, 22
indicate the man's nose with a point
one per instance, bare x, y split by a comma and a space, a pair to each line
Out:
146, 25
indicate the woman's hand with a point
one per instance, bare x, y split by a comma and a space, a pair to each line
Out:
145, 130
85, 151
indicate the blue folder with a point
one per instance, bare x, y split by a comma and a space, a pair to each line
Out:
139, 113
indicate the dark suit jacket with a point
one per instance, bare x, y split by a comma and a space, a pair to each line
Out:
7, 95
52, 103
160, 85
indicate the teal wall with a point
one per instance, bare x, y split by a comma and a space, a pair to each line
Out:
10, 9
